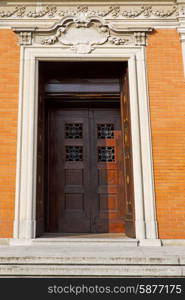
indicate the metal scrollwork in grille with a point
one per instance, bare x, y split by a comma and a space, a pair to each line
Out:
73, 131
74, 153
105, 131
106, 154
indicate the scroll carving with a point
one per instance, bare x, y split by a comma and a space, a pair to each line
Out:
83, 33
82, 28
18, 11
49, 11
147, 11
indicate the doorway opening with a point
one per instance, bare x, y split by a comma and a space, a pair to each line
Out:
84, 156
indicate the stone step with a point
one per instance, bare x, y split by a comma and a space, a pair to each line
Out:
63, 265
89, 260
83, 241
91, 270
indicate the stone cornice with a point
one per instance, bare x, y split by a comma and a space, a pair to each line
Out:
123, 11
82, 33
92, 1
39, 20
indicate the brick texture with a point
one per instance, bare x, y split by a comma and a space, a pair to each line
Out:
167, 104
9, 76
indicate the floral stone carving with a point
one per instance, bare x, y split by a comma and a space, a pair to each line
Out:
81, 33
125, 11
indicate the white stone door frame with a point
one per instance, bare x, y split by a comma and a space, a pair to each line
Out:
25, 209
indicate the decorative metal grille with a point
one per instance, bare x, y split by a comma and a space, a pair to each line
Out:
73, 131
106, 154
74, 153
105, 131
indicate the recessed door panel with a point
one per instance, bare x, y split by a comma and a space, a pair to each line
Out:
68, 171
85, 171
108, 214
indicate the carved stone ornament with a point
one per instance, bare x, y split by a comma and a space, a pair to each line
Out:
145, 11
140, 38
83, 27
83, 33
25, 38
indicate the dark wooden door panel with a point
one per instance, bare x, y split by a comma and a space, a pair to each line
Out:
69, 164
128, 173
85, 171
108, 210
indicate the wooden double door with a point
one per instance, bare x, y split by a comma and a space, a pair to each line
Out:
85, 171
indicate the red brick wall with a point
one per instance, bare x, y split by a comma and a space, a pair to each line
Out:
167, 103
9, 76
